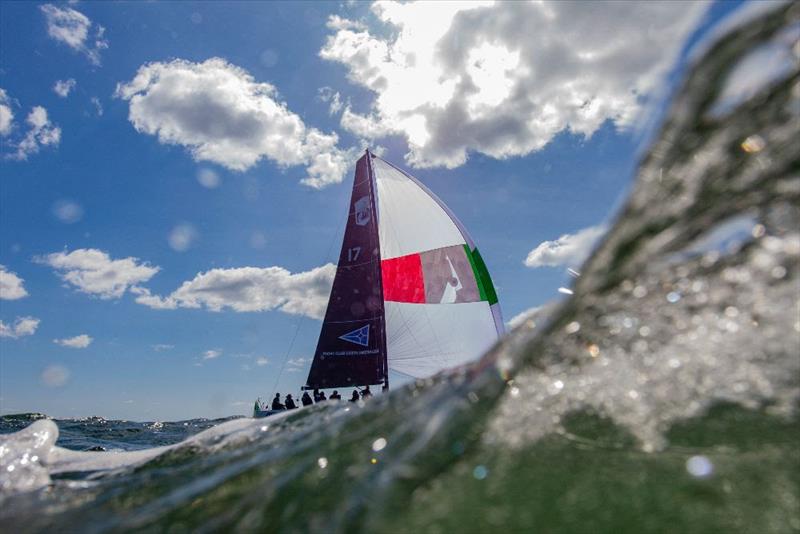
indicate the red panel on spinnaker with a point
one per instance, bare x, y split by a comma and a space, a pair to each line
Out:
402, 279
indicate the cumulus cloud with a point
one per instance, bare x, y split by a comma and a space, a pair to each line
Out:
22, 326
569, 249
6, 115
93, 271
78, 342
75, 30
11, 285
221, 114
250, 289
64, 87
332, 98
41, 132
504, 78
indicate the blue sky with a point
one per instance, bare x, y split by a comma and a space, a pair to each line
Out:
148, 147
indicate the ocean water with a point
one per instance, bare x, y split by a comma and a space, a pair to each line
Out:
662, 396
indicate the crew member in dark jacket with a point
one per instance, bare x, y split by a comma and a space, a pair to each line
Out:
290, 405
335, 395
366, 393
306, 398
355, 397
276, 402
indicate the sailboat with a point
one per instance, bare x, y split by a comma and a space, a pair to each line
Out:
411, 292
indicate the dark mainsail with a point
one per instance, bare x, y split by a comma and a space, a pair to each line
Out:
352, 344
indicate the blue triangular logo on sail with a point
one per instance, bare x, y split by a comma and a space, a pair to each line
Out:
359, 336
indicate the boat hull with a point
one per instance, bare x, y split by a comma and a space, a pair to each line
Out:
264, 413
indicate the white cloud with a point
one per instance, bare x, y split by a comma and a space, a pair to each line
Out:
524, 316
78, 342
160, 347
98, 106
23, 326
250, 289
295, 365
504, 78
93, 271
533, 316
64, 87
221, 114
569, 249
261, 361
6, 115
211, 354
11, 287
333, 98
67, 211
74, 29
41, 132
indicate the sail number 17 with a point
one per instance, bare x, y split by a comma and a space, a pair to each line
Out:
352, 253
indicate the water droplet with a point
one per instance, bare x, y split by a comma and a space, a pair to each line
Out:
565, 291
699, 466
572, 327
753, 144
322, 462
673, 297
480, 472
379, 444
778, 272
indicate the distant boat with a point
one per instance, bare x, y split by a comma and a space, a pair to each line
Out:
411, 292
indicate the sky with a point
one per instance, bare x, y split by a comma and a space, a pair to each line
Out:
174, 176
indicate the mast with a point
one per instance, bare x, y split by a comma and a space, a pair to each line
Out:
351, 350
377, 222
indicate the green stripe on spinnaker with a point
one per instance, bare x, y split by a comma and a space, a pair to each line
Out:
482, 278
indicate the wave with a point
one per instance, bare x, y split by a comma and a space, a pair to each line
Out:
664, 392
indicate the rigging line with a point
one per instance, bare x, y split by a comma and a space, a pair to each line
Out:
299, 324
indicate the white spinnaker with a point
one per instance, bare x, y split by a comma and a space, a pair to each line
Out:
409, 220
423, 339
